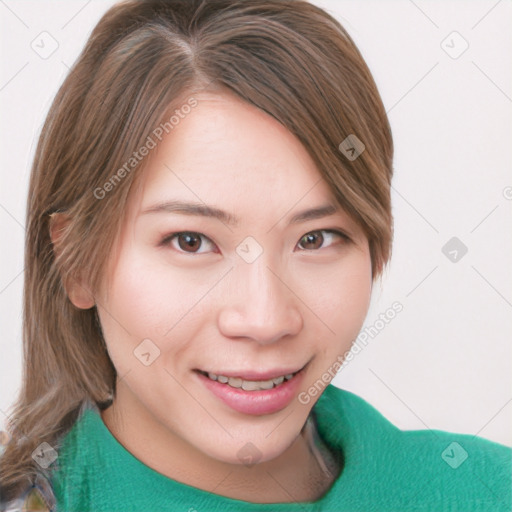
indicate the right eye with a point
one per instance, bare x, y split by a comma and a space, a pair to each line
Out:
186, 241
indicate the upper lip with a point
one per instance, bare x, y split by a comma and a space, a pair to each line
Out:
252, 375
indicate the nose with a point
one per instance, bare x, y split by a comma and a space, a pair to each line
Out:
259, 304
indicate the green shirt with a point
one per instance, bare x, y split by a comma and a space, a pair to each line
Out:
385, 469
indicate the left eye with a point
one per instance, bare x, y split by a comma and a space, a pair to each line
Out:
316, 239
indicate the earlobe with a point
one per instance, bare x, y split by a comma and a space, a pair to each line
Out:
79, 295
78, 292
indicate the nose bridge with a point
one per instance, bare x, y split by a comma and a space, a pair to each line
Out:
264, 294
262, 306
263, 286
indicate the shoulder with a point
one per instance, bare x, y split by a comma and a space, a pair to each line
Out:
39, 493
462, 467
425, 467
77, 452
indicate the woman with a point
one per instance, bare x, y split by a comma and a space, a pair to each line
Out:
209, 207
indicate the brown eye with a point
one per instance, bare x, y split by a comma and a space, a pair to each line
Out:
188, 241
314, 239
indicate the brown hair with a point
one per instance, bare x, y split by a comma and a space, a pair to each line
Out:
289, 58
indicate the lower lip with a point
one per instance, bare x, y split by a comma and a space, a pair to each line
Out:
265, 401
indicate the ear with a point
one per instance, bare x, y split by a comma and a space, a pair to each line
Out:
77, 290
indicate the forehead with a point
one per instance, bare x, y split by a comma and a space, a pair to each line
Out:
228, 153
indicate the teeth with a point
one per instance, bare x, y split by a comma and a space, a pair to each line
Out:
250, 385
235, 382
266, 384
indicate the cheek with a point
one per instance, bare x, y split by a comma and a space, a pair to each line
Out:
357, 287
144, 301
344, 298
344, 288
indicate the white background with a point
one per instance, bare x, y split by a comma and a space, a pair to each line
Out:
445, 361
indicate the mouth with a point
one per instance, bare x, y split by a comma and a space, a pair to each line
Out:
247, 384
245, 393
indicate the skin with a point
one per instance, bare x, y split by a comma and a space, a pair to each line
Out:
205, 307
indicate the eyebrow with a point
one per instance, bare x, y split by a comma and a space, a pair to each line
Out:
203, 210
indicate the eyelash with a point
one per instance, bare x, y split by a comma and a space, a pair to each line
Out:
169, 238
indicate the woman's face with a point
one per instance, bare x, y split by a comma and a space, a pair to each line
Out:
254, 286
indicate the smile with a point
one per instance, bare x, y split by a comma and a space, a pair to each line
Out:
251, 396
249, 385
